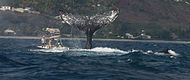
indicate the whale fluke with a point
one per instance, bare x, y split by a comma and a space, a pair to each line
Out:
90, 24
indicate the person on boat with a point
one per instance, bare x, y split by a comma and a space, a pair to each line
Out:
43, 40
50, 43
59, 45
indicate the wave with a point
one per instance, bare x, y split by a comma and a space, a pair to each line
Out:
98, 51
10, 62
81, 52
103, 51
162, 53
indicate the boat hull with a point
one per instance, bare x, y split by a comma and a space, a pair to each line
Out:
53, 48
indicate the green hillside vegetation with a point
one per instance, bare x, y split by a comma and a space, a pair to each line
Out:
53, 7
162, 19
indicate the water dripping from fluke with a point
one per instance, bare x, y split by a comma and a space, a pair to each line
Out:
89, 24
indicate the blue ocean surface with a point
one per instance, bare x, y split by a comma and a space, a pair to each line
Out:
108, 60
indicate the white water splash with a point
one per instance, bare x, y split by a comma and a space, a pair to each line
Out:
170, 53
98, 51
103, 51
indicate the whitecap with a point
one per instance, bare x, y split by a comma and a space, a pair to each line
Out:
102, 49
98, 51
168, 53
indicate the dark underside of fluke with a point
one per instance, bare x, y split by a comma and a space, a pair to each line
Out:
90, 24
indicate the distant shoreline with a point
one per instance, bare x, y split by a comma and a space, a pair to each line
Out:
98, 39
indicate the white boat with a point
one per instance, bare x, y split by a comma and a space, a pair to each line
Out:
53, 41
55, 48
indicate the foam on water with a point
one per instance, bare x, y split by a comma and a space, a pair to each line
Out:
103, 51
98, 51
169, 53
87, 52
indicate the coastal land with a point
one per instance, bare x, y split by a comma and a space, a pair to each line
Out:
161, 19
99, 39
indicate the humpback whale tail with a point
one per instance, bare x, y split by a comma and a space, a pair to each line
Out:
90, 24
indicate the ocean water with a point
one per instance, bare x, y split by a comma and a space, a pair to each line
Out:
108, 60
